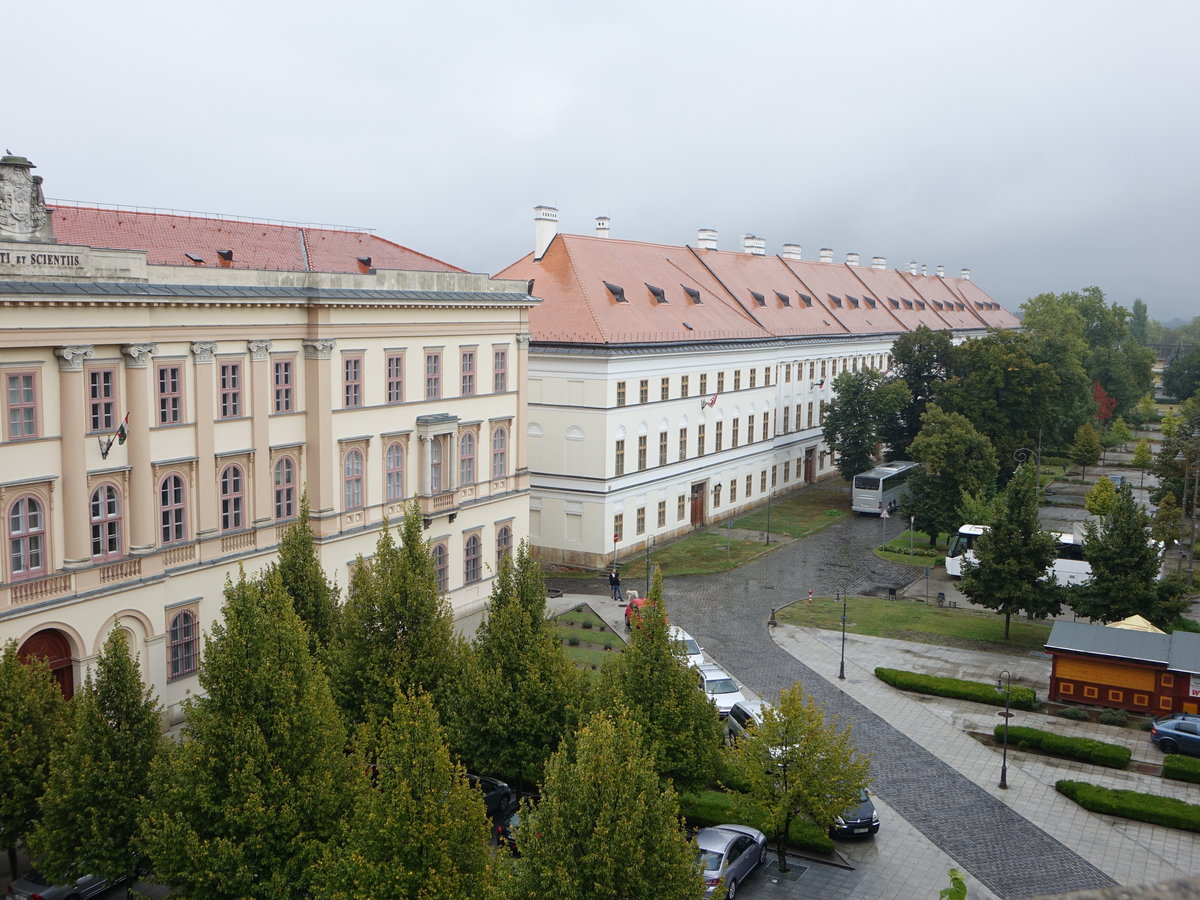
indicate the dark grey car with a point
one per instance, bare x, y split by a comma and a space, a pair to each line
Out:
1176, 734
729, 853
31, 885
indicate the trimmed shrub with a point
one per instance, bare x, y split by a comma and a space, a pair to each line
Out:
1132, 805
1114, 717
1088, 750
957, 688
1074, 713
1181, 768
711, 807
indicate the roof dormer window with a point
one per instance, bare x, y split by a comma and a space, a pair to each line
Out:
758, 298
194, 257
783, 298
807, 300
870, 301
895, 303
660, 295
853, 301
617, 292
226, 255
693, 294
837, 301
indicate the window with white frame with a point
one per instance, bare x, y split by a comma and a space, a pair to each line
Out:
26, 539
352, 479
233, 498
394, 471
106, 523
285, 488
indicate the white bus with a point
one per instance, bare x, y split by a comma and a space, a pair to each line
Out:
881, 487
1069, 566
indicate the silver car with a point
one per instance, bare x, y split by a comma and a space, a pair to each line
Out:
32, 885
729, 853
720, 687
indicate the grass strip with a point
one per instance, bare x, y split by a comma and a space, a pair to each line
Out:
1132, 805
1081, 749
957, 688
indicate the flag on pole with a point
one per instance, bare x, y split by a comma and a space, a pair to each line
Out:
123, 431
713, 401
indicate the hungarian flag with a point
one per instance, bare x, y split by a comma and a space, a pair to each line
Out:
123, 431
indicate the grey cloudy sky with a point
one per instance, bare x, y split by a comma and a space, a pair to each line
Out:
1046, 145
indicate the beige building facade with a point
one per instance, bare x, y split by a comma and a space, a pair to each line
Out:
172, 383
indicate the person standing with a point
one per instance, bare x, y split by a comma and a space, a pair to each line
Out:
614, 583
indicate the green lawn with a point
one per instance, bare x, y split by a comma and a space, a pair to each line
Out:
802, 513
925, 623
593, 644
897, 549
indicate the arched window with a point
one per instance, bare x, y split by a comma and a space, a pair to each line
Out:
472, 569
503, 543
435, 465
106, 523
172, 511
285, 488
466, 459
394, 471
441, 567
500, 452
233, 498
184, 645
352, 479
26, 539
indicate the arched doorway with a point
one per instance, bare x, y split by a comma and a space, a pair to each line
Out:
54, 647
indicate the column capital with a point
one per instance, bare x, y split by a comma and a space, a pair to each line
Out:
137, 356
203, 351
318, 348
70, 359
523, 338
259, 350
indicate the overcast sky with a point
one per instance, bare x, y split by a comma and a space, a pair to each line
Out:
1048, 146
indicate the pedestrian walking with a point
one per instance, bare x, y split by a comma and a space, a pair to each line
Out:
614, 583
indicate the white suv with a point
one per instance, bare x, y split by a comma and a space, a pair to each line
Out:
722, 690
692, 654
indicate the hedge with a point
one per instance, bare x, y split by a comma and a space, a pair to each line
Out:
705, 808
1181, 768
1088, 750
1132, 805
958, 688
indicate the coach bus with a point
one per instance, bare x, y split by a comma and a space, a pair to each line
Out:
1069, 566
881, 488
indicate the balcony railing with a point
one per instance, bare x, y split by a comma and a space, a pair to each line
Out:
29, 591
121, 571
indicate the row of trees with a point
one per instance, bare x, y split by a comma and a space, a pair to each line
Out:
326, 756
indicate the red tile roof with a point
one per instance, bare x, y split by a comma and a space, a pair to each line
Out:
168, 237
743, 295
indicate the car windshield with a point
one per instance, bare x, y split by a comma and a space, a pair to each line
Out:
690, 647
721, 686
710, 860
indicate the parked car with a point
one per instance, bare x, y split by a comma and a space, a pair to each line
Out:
729, 853
32, 886
633, 612
722, 690
860, 819
504, 834
744, 716
1177, 733
498, 798
1117, 480
691, 650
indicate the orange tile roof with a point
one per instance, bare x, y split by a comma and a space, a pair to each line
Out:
168, 237
744, 296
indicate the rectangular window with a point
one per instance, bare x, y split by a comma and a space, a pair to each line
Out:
810, 414
102, 399
682, 444
664, 389
683, 386
433, 375
352, 381
766, 426
620, 461
736, 437
468, 373
394, 368
750, 429
641, 520
230, 378
620, 393
644, 391
662, 448
20, 393
787, 419
821, 413
774, 474
753, 383
680, 507
733, 490
283, 378
641, 452
618, 528
812, 369
704, 385
719, 442
720, 382
500, 371
762, 484
700, 440
787, 471
170, 395
766, 376
662, 513
749, 486
737, 379
822, 368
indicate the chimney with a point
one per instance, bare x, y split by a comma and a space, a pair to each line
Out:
706, 239
878, 262
825, 255
755, 246
965, 274
852, 259
545, 227
912, 267
602, 223
924, 270
941, 271
791, 251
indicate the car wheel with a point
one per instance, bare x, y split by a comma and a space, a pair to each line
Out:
731, 891
1166, 745
762, 854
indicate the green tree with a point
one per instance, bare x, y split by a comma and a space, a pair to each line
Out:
100, 774
1172, 422
1009, 574
31, 722
1055, 330
681, 728
978, 508
1139, 322
1086, 449
1181, 378
1178, 457
922, 359
396, 629
1147, 409
314, 595
606, 826
957, 889
796, 765
243, 807
1125, 565
521, 696
1120, 432
1165, 524
863, 402
930, 502
1102, 498
415, 827
1142, 457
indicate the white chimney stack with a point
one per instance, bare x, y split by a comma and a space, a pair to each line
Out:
755, 246
941, 271
965, 274
791, 251
825, 255
602, 223
924, 270
878, 262
706, 239
852, 259
912, 267
545, 227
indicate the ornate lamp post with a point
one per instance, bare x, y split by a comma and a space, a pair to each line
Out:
1022, 454
842, 664
1007, 676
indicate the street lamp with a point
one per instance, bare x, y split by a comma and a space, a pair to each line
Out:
1022, 454
842, 664
1007, 676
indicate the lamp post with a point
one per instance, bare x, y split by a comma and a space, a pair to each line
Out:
1022, 454
649, 541
1007, 676
770, 496
842, 664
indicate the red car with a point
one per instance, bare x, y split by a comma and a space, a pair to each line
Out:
633, 612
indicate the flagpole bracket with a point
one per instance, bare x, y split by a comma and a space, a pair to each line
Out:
105, 446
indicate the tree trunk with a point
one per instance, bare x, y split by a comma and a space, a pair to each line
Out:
12, 861
781, 843
1007, 617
